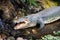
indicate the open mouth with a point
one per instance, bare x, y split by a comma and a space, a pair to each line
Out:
20, 23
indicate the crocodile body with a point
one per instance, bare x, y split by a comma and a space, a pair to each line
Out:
46, 16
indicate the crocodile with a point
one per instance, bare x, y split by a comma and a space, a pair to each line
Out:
43, 17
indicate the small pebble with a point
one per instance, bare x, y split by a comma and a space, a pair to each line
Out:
19, 38
10, 38
3, 36
1, 39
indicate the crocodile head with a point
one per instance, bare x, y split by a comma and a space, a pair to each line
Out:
21, 23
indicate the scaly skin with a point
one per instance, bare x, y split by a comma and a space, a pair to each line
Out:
46, 16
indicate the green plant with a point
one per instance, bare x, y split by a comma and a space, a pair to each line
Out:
31, 2
50, 37
56, 32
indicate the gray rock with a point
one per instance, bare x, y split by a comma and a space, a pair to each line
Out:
11, 38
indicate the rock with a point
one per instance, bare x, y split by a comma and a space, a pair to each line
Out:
1, 38
10, 38
19, 38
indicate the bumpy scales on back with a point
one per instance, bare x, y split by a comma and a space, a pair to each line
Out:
46, 16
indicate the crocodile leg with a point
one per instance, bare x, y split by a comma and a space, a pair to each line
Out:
41, 22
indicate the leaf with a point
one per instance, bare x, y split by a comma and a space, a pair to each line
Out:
23, 1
